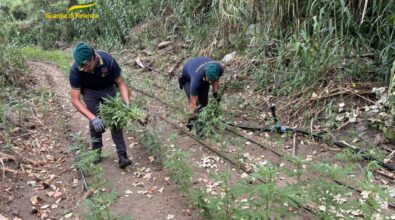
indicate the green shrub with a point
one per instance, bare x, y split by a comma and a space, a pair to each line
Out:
12, 65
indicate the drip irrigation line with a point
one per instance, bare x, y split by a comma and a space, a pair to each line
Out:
254, 142
84, 181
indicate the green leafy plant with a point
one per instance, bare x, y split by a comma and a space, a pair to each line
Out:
375, 154
374, 197
349, 156
222, 204
210, 121
329, 197
99, 206
300, 165
180, 170
268, 198
150, 140
116, 114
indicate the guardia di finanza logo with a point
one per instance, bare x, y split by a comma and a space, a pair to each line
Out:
73, 11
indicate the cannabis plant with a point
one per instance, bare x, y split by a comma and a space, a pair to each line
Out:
331, 199
117, 114
267, 197
180, 170
99, 206
211, 121
221, 204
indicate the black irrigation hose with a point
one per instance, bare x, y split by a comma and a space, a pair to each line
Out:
319, 137
254, 142
84, 181
344, 146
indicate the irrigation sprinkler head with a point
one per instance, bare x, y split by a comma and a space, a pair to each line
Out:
276, 127
273, 110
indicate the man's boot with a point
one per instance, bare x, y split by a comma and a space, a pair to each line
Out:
123, 160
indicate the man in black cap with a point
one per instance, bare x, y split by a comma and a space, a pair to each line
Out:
94, 75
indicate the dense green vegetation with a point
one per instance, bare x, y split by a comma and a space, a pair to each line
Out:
293, 43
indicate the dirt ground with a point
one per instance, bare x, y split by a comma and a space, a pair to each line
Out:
140, 198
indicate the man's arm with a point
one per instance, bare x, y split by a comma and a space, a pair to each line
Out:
76, 101
192, 105
123, 89
215, 86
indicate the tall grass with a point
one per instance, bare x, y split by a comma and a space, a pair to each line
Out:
61, 59
296, 42
11, 65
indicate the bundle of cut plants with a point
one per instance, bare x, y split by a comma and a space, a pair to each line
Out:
211, 121
117, 114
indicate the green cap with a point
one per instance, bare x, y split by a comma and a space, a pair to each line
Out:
212, 71
82, 53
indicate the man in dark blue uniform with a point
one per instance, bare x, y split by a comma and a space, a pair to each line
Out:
94, 75
197, 76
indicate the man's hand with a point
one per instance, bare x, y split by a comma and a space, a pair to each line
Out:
76, 101
98, 124
190, 124
217, 97
191, 121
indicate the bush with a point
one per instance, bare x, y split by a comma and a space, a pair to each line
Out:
12, 64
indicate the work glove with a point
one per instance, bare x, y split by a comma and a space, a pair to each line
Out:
191, 121
217, 97
97, 124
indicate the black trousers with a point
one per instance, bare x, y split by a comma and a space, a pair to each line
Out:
92, 99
